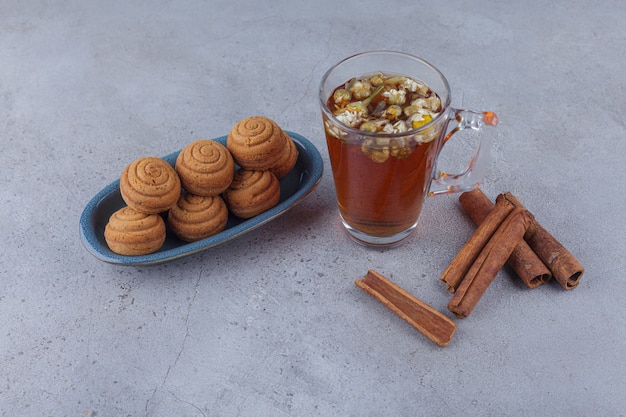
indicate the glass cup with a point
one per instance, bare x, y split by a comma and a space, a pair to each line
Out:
382, 179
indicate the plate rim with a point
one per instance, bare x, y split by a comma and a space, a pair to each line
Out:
305, 187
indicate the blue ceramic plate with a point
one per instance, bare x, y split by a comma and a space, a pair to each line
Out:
294, 187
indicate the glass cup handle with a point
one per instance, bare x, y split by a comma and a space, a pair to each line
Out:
483, 122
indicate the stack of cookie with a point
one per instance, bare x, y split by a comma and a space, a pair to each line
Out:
209, 180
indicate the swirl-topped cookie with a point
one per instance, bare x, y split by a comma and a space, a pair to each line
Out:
195, 217
150, 185
205, 167
131, 233
256, 143
287, 160
252, 192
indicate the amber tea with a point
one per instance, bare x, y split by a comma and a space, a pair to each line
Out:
380, 198
386, 118
379, 180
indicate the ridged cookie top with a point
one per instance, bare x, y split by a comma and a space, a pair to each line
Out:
195, 217
205, 167
256, 143
150, 185
252, 192
287, 160
130, 232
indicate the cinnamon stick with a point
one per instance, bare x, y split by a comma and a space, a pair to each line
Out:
433, 324
462, 262
566, 269
523, 260
490, 260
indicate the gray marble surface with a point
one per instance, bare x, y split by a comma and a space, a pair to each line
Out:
271, 324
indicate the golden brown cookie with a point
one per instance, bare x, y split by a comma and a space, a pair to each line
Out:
256, 143
131, 233
150, 185
195, 217
252, 193
205, 167
287, 160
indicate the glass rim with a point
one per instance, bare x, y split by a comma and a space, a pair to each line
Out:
444, 107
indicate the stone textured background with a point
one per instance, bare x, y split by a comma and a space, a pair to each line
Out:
271, 324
